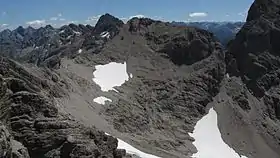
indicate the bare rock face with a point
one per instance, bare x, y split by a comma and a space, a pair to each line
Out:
255, 51
33, 120
108, 23
11, 148
254, 56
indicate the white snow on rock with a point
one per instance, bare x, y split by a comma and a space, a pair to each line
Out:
227, 75
80, 51
101, 100
69, 37
208, 139
110, 75
133, 151
62, 31
77, 33
105, 34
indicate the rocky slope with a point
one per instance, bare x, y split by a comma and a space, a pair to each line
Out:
34, 125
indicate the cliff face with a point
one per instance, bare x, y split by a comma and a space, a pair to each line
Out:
254, 54
254, 57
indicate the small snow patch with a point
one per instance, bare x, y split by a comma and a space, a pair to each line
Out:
77, 33
101, 100
105, 34
62, 31
110, 75
208, 139
133, 151
80, 51
227, 75
69, 37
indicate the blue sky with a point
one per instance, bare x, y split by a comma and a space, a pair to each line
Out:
59, 12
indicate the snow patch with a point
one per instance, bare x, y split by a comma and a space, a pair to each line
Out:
105, 34
208, 139
133, 151
62, 31
69, 37
80, 51
101, 100
77, 33
110, 75
227, 75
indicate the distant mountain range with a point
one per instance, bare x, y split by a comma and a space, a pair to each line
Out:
224, 31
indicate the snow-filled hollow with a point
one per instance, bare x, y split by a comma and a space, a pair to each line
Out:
133, 151
110, 75
208, 139
101, 100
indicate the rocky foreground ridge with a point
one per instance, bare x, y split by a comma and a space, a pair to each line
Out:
178, 73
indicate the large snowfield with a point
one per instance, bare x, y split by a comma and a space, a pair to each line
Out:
208, 139
110, 75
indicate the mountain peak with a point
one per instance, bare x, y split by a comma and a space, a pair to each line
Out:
108, 17
20, 30
109, 23
49, 27
259, 8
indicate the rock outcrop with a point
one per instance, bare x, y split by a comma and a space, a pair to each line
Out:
254, 56
36, 127
108, 23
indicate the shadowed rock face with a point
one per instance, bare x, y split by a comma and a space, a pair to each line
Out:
183, 45
254, 55
269, 8
108, 23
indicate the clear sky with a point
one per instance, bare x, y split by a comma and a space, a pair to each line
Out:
58, 12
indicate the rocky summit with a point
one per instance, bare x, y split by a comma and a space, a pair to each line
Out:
176, 74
